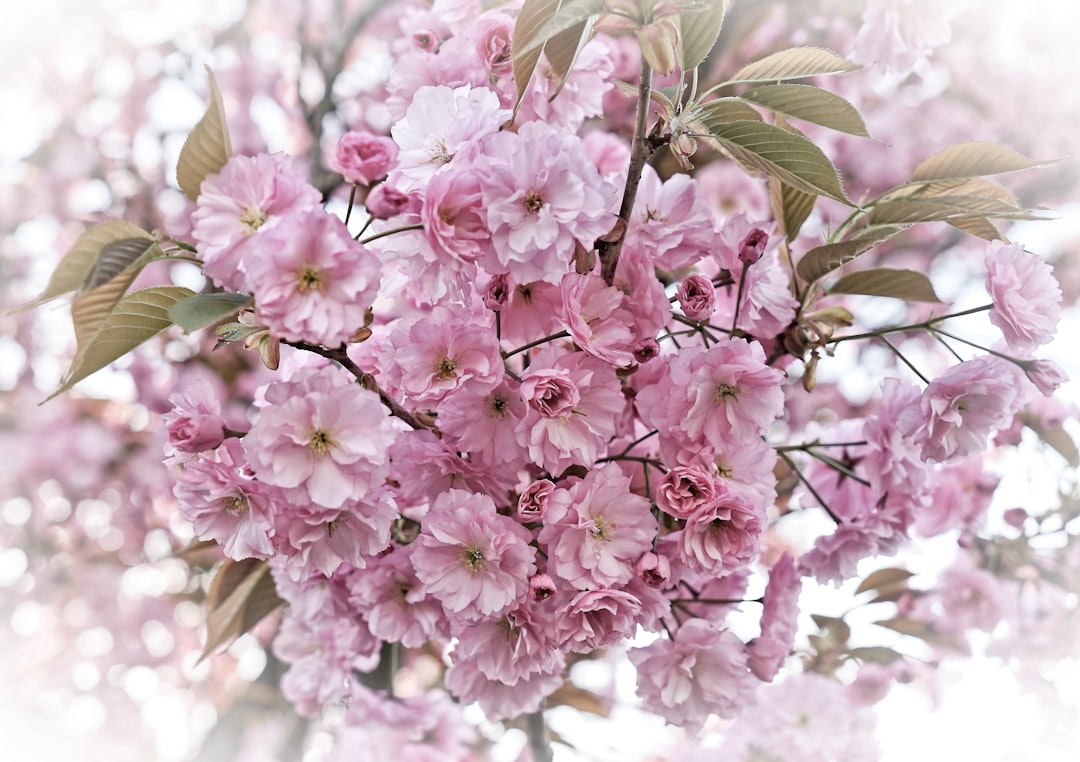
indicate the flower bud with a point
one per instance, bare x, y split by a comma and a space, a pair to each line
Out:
654, 570
697, 297
541, 587
497, 292
1047, 375
196, 432
362, 157
753, 246
385, 202
645, 350
534, 500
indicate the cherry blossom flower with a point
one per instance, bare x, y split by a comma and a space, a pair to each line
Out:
249, 196
701, 672
195, 423
766, 653
697, 297
598, 618
1026, 296
499, 700
686, 490
671, 221
596, 531
476, 562
321, 434
361, 157
313, 282
395, 603
724, 535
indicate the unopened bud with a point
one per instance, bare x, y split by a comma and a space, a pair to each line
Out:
541, 587
645, 350
654, 570
534, 500
497, 292
697, 297
753, 246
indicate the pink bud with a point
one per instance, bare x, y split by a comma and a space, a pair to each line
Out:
753, 246
497, 292
534, 500
645, 350
697, 297
426, 40
654, 570
1047, 375
1015, 517
541, 587
361, 157
384, 202
196, 433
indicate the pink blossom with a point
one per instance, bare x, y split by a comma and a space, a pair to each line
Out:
654, 570
498, 700
896, 35
321, 541
581, 94
438, 123
732, 393
699, 673
361, 157
394, 602
959, 410
834, 557
541, 587
723, 536
686, 490
195, 423
596, 318
1047, 375
453, 218
752, 246
671, 221
312, 282
571, 410
697, 297
595, 619
533, 312
484, 423
385, 201
541, 194
439, 353
250, 195
766, 653
532, 505
512, 647
476, 562
597, 530
217, 495
1026, 296
321, 434
497, 292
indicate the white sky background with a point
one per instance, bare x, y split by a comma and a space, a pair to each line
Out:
982, 715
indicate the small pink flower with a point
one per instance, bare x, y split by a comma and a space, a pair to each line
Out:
598, 618
452, 215
654, 570
961, 409
767, 652
1047, 375
541, 587
1027, 298
534, 501
195, 423
701, 672
551, 392
686, 490
312, 281
724, 536
476, 562
361, 157
598, 319
697, 297
497, 293
752, 246
385, 201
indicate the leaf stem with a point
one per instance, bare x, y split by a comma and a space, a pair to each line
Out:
930, 324
383, 234
538, 342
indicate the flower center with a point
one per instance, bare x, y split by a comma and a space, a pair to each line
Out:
533, 202
320, 442
236, 505
440, 154
497, 406
311, 279
473, 559
252, 219
724, 391
600, 529
445, 368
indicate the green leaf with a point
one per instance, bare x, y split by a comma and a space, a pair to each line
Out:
834, 628
784, 155
973, 159
714, 114
207, 148
922, 630
116, 257
241, 594
822, 260
906, 211
811, 104
883, 578
74, 269
556, 27
699, 29
794, 63
909, 285
201, 310
136, 318
980, 227
791, 206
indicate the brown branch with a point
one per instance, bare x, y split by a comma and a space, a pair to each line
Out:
610, 246
365, 379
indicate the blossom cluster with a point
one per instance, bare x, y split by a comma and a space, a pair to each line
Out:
491, 446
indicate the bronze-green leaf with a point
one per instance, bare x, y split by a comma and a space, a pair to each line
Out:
791, 206
713, 114
883, 578
903, 211
876, 654
137, 317
558, 28
811, 104
201, 310
699, 28
909, 285
784, 155
241, 594
207, 148
72, 272
116, 257
793, 63
822, 260
973, 159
